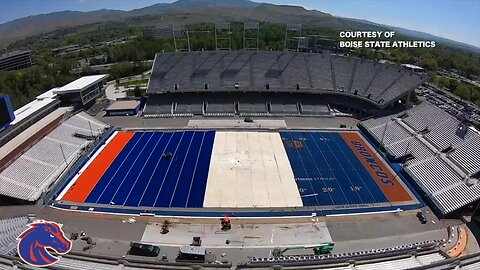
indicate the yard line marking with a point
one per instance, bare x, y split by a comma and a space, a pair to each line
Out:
355, 169
328, 164
195, 170
181, 170
121, 164
131, 167
303, 165
340, 165
168, 169
86, 165
379, 170
144, 165
154, 170
318, 170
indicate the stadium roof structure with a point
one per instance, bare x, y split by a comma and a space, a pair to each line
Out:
31, 172
80, 84
274, 71
37, 104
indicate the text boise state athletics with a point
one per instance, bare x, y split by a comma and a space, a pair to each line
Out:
378, 43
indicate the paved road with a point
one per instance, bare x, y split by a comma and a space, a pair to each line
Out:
177, 123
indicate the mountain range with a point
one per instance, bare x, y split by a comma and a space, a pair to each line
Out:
196, 11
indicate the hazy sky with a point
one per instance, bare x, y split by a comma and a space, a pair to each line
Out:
455, 19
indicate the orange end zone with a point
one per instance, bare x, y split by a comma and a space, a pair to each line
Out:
383, 176
92, 174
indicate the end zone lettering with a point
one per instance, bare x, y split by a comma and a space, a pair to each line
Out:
377, 168
373, 163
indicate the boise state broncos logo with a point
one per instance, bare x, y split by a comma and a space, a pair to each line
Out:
40, 236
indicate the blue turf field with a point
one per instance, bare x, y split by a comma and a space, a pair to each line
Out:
327, 172
139, 176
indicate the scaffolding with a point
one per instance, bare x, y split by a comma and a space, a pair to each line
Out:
223, 36
251, 35
181, 38
293, 34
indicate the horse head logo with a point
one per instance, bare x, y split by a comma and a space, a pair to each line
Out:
40, 236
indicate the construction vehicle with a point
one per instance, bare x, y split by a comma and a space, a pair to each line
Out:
323, 248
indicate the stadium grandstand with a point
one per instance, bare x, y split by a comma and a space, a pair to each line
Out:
41, 142
202, 74
10, 228
28, 175
439, 152
275, 160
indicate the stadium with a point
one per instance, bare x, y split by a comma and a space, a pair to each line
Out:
277, 153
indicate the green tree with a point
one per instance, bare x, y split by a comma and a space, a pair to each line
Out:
430, 64
443, 82
463, 91
120, 70
477, 102
137, 91
475, 93
453, 84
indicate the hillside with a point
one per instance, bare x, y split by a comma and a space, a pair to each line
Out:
423, 36
183, 11
34, 25
199, 11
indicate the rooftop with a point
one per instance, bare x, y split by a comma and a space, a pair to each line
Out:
32, 129
124, 105
412, 66
29, 109
65, 47
14, 53
80, 84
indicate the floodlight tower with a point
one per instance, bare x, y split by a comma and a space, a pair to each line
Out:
223, 35
293, 33
251, 34
181, 38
